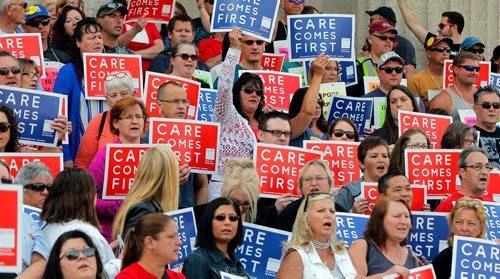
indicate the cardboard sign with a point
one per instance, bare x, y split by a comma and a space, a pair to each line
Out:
186, 226
419, 197
341, 157
348, 72
359, 110
328, 90
153, 82
493, 186
97, 67
260, 252
34, 213
51, 71
194, 143
482, 80
206, 105
204, 76
25, 45
426, 271
492, 210
278, 87
278, 167
158, 11
373, 82
429, 234
468, 116
495, 80
474, 258
16, 160
435, 168
272, 62
255, 18
34, 111
379, 110
350, 226
122, 161
433, 125
369, 191
11, 199
311, 35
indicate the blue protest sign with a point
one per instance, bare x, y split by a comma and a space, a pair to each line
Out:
34, 111
475, 258
429, 234
492, 210
359, 110
34, 213
261, 250
186, 224
255, 18
495, 80
206, 104
310, 35
348, 72
350, 226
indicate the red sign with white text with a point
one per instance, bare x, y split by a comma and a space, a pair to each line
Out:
419, 197
433, 125
435, 168
97, 67
482, 80
423, 272
51, 71
153, 82
369, 191
493, 186
11, 199
195, 143
278, 167
272, 62
122, 161
341, 157
16, 160
26, 45
158, 11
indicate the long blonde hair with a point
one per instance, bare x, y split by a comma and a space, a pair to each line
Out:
157, 178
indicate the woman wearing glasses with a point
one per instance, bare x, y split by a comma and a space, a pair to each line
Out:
332, 71
459, 135
221, 231
184, 60
343, 129
410, 139
29, 73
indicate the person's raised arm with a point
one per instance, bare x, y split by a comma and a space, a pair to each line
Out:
128, 36
204, 16
412, 22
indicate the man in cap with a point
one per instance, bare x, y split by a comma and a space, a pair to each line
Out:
474, 45
12, 16
110, 16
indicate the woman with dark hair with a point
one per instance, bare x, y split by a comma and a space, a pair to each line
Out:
411, 139
459, 135
74, 255
383, 249
9, 136
343, 129
183, 61
220, 232
495, 60
64, 28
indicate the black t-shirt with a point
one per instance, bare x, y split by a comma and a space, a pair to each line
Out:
490, 142
281, 34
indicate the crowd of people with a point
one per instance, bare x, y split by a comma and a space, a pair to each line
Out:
83, 234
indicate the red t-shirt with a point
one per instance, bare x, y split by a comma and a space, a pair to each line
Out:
144, 39
209, 48
447, 205
136, 271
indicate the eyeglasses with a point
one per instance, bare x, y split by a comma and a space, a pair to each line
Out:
177, 102
245, 204
249, 90
299, 1
330, 68
475, 50
131, 117
487, 105
340, 133
211, 2
318, 178
31, 75
185, 56
469, 142
251, 42
417, 146
385, 38
470, 68
6, 180
4, 127
389, 70
24, 5
314, 194
278, 133
38, 187
443, 25
480, 167
73, 254
117, 75
222, 217
440, 49
36, 23
13, 70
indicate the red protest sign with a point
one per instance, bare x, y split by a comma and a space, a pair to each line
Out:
153, 82
433, 125
272, 62
122, 161
97, 66
159, 11
437, 169
195, 143
278, 167
493, 186
51, 71
11, 199
419, 197
26, 45
16, 160
278, 87
369, 191
482, 80
341, 157
423, 272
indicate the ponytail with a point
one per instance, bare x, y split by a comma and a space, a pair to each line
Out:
130, 253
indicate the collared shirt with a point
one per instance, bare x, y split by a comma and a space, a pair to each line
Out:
206, 264
33, 241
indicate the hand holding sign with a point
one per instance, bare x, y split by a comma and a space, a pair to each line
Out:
235, 38
318, 66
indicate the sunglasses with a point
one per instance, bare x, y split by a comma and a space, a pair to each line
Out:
443, 25
470, 68
385, 38
278, 133
185, 56
6, 180
249, 90
298, 1
24, 5
113, 5
484, 105
13, 70
440, 49
251, 42
321, 102
211, 2
315, 194
38, 187
389, 70
222, 217
73, 254
475, 50
4, 127
338, 133
36, 23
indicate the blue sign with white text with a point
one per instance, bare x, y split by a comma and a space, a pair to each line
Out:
429, 234
348, 72
495, 80
359, 110
206, 104
34, 213
186, 224
492, 210
350, 226
475, 258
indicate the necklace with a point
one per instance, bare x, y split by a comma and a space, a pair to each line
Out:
320, 245
461, 97
432, 76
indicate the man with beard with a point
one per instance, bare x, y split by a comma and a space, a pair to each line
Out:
110, 16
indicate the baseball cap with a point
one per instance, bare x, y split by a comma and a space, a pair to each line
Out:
433, 41
36, 11
386, 13
110, 8
381, 26
470, 41
389, 56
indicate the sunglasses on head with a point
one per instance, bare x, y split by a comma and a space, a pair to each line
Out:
38, 187
389, 70
487, 105
249, 90
113, 5
470, 68
5, 71
385, 38
440, 49
475, 50
443, 25
222, 217
185, 56
340, 133
4, 127
73, 254
312, 195
36, 23
251, 42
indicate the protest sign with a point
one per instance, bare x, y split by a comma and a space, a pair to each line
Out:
206, 105
281, 47
437, 169
25, 45
493, 186
272, 62
195, 143
34, 111
186, 226
278, 87
369, 191
429, 234
474, 258
379, 110
11, 199
98, 66
278, 167
34, 213
482, 80
492, 210
350, 226
122, 161
495, 80
467, 116
359, 110
51, 71
255, 18
426, 271
157, 11
328, 90
204, 76
348, 72
261, 250
419, 197
373, 82
16, 160
433, 125
311, 35
341, 157
225, 275
153, 82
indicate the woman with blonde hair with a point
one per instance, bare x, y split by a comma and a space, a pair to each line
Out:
155, 189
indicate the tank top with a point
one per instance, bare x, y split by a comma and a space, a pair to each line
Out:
458, 104
378, 263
